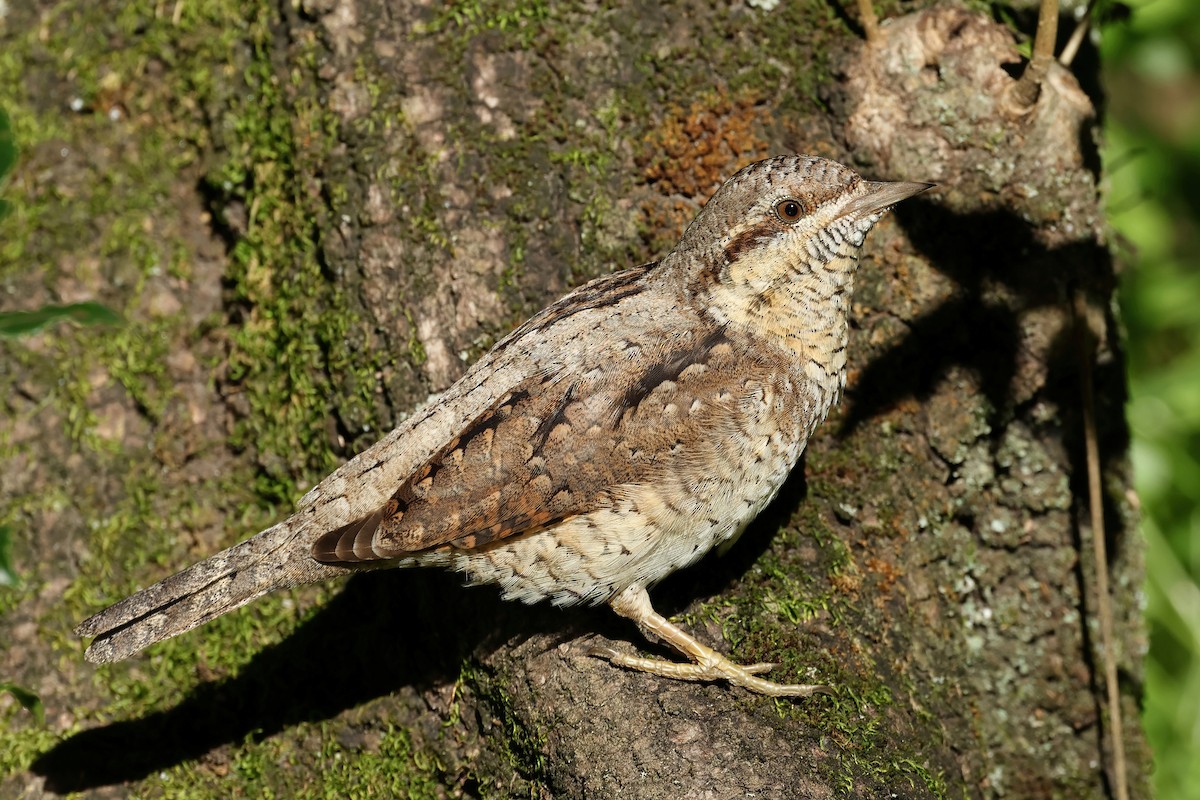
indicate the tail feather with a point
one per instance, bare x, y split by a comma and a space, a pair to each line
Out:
279, 556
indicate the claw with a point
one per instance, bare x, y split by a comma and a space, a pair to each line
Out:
601, 651
714, 669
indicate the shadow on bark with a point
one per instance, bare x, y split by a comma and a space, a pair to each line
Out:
1002, 272
369, 641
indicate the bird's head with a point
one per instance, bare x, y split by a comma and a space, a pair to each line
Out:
786, 220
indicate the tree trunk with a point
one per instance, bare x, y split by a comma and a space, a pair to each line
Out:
930, 558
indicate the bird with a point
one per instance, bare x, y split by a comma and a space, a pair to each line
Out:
617, 436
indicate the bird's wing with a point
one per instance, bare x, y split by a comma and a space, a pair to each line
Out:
555, 446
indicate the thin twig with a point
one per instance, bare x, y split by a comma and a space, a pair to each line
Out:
1072, 47
1099, 547
870, 22
1025, 91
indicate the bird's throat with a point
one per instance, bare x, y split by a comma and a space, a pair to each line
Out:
805, 313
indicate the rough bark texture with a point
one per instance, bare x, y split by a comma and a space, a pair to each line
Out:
456, 169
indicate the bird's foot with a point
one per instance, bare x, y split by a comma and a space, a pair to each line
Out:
713, 667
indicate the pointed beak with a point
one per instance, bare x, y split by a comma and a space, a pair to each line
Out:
880, 196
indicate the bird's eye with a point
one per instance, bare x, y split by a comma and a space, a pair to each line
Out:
789, 210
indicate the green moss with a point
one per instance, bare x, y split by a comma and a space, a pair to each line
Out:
466, 20
389, 766
278, 356
523, 742
21, 746
145, 85
115, 208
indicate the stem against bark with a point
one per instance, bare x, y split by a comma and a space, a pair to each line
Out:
1071, 49
870, 22
1099, 549
1025, 92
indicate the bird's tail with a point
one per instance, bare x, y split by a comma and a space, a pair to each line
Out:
277, 557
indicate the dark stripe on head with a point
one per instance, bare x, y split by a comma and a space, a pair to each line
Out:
749, 239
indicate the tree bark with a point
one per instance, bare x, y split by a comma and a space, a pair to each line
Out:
928, 562
464, 166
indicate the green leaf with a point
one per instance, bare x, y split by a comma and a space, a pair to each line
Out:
28, 700
18, 323
8, 576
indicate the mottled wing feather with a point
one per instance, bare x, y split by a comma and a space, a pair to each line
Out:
488, 483
544, 452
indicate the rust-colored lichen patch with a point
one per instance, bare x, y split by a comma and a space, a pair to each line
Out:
697, 147
689, 154
886, 571
846, 583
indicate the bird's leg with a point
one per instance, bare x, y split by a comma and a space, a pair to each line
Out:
634, 603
